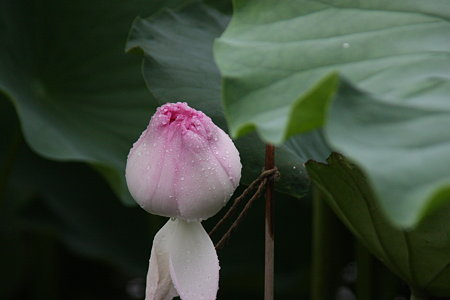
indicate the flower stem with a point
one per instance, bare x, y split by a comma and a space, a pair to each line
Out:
269, 232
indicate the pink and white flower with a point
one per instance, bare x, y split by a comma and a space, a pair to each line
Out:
185, 167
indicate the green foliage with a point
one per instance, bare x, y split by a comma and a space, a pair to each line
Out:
279, 65
374, 75
45, 204
402, 148
368, 79
77, 95
421, 256
272, 57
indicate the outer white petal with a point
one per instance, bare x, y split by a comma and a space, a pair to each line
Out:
228, 157
159, 282
193, 262
150, 173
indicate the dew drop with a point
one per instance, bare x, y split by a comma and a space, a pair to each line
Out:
345, 45
182, 178
294, 167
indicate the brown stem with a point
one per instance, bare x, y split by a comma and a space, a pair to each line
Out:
269, 232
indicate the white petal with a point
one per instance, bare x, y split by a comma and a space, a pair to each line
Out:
149, 174
159, 282
205, 185
193, 262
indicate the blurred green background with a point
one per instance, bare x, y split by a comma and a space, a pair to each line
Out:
72, 102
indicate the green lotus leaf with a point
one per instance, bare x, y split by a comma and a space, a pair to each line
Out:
283, 63
77, 94
420, 256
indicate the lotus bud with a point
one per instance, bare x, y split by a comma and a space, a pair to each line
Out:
183, 165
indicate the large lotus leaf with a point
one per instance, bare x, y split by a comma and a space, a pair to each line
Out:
273, 55
280, 62
78, 95
403, 148
68, 201
420, 256
179, 65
